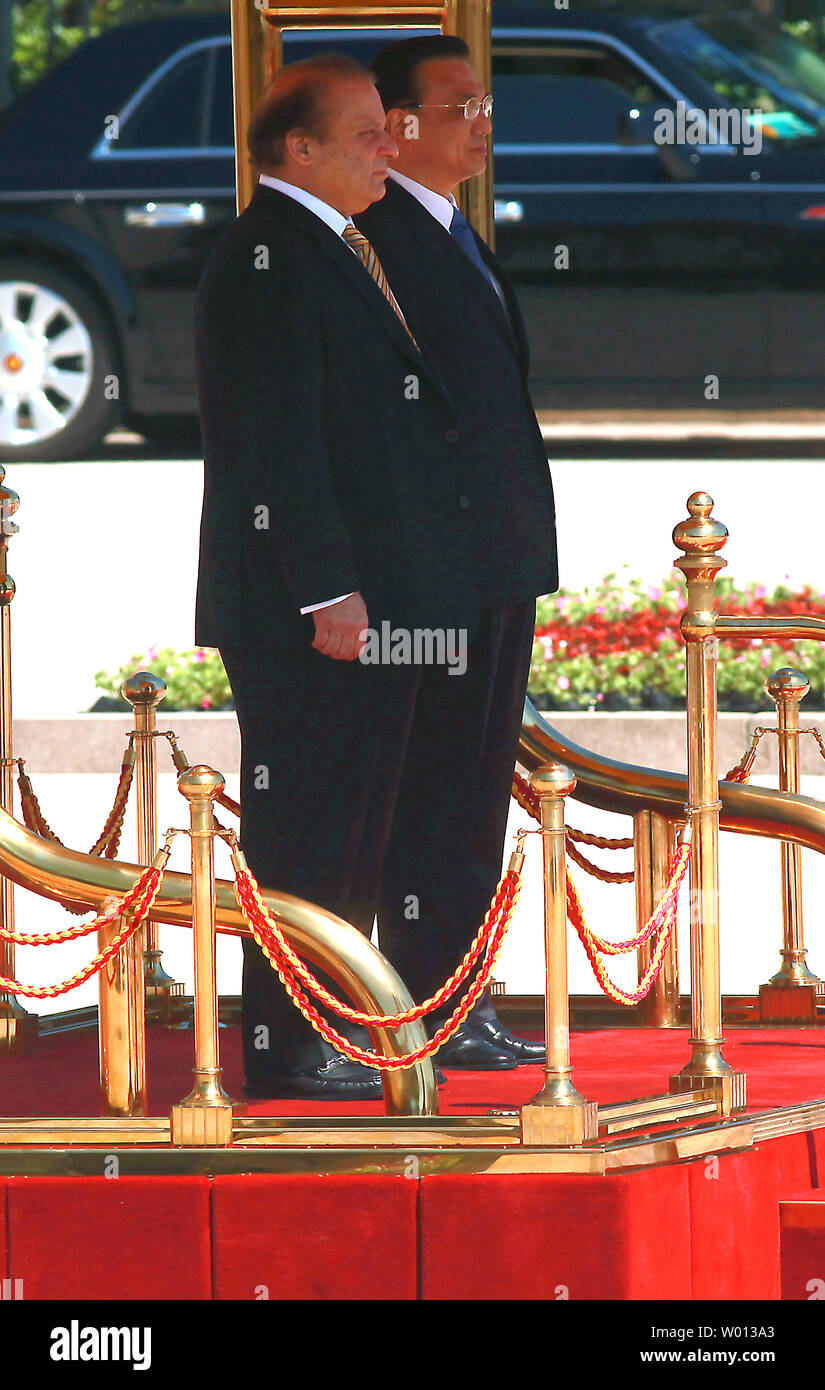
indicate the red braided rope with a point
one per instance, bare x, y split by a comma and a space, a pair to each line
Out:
252, 905
661, 923
56, 938
142, 911
267, 939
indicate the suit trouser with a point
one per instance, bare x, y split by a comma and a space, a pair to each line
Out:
376, 789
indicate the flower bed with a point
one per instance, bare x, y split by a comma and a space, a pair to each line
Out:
618, 647
613, 647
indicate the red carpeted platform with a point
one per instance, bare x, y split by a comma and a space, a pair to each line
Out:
706, 1229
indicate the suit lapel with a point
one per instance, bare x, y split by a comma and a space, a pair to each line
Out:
269, 201
426, 229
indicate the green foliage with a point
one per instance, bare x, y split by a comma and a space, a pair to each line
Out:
195, 679
46, 31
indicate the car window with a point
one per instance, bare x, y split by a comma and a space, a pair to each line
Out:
570, 95
170, 115
753, 67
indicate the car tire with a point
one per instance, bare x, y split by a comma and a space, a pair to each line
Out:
71, 369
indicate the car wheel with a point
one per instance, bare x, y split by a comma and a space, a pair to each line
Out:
59, 388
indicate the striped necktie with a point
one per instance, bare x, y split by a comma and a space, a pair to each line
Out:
366, 254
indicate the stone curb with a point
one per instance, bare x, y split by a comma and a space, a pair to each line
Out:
95, 742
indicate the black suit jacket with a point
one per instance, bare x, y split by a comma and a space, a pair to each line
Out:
329, 443
479, 347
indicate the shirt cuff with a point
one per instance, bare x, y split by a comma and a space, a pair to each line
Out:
313, 607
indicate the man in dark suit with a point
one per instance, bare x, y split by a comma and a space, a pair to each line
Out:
334, 504
464, 313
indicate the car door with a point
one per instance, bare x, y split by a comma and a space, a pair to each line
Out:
168, 169
637, 265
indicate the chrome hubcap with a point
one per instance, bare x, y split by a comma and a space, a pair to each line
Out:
46, 363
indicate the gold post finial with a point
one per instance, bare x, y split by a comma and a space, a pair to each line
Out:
200, 782
143, 688
553, 779
787, 684
700, 538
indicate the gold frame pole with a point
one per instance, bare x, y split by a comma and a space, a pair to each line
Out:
558, 1115
471, 20
13, 1017
654, 845
204, 1118
700, 538
144, 691
791, 994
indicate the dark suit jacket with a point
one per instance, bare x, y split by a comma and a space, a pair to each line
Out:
480, 351
329, 443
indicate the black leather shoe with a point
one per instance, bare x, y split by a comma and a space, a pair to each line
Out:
467, 1049
495, 1035
337, 1079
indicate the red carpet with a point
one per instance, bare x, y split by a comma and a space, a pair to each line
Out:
59, 1076
708, 1229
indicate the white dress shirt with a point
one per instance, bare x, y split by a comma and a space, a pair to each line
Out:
337, 222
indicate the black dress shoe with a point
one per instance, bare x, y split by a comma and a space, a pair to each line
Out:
337, 1079
355, 1033
467, 1049
497, 1036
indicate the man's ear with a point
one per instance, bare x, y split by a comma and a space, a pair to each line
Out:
402, 124
299, 146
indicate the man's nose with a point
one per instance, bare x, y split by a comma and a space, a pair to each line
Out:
389, 146
483, 125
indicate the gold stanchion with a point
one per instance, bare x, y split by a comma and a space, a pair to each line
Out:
15, 1021
122, 1026
792, 993
558, 1115
204, 1118
700, 538
654, 845
144, 692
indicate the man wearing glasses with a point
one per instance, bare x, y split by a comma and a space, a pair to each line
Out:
464, 314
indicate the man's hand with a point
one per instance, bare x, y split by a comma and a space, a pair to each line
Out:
340, 629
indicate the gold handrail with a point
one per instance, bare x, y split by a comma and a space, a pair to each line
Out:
626, 788
351, 960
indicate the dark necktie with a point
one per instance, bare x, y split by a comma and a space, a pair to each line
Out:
462, 233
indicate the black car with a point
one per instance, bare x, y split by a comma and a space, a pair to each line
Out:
659, 203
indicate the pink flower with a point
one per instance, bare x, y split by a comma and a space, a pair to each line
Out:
206, 703
653, 592
152, 652
563, 682
200, 654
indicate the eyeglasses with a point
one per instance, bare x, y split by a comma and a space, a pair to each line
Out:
472, 107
